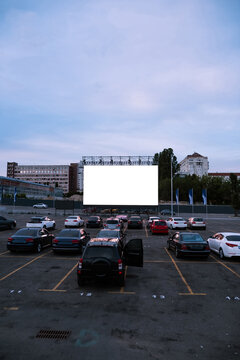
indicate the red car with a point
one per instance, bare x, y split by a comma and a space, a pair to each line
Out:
159, 227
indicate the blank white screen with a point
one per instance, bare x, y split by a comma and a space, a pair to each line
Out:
120, 185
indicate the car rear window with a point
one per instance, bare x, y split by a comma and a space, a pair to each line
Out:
162, 223
191, 237
101, 251
112, 221
28, 232
233, 237
103, 234
68, 233
95, 218
72, 217
197, 219
135, 218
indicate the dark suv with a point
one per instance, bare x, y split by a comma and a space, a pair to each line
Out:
106, 259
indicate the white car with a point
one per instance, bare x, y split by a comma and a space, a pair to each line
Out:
151, 219
40, 206
225, 244
176, 222
73, 221
196, 222
43, 222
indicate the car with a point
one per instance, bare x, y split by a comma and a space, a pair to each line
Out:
135, 222
159, 227
225, 244
151, 219
7, 223
106, 259
94, 221
34, 239
42, 222
188, 244
111, 234
40, 206
167, 212
113, 223
196, 223
176, 223
73, 221
70, 240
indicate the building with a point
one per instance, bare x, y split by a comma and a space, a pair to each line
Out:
194, 164
110, 161
61, 176
10, 187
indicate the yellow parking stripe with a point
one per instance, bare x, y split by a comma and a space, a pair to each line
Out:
13, 308
21, 267
182, 277
220, 262
61, 281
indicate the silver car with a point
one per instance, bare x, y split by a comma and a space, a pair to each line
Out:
196, 223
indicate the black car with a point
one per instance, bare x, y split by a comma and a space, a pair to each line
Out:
106, 259
70, 240
30, 239
7, 223
189, 244
94, 221
167, 212
135, 222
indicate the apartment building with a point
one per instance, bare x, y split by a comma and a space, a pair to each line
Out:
194, 164
62, 176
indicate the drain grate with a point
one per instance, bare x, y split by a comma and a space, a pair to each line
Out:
53, 334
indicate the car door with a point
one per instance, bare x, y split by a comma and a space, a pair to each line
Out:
133, 253
218, 242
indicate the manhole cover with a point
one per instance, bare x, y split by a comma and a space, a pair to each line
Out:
53, 334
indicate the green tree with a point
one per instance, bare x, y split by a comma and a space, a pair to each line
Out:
235, 193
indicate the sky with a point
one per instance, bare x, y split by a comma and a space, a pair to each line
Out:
119, 77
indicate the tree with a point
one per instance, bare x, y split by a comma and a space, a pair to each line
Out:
164, 163
235, 193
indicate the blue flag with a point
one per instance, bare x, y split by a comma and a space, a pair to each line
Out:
177, 196
204, 196
190, 195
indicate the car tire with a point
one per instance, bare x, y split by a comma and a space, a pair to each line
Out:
221, 254
177, 253
54, 226
39, 248
80, 281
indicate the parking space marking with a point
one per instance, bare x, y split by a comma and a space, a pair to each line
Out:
220, 262
182, 277
5, 252
13, 308
21, 267
146, 230
61, 281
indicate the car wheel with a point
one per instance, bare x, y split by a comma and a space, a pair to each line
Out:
177, 253
53, 227
221, 254
81, 281
39, 248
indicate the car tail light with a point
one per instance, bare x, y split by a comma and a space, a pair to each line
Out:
10, 239
74, 220
75, 241
79, 266
193, 222
184, 247
231, 245
175, 222
29, 240
66, 220
55, 241
139, 222
120, 266
185, 222
207, 247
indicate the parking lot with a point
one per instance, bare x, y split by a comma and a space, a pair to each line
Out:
169, 309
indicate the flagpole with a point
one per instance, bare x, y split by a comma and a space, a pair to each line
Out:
192, 202
206, 205
171, 189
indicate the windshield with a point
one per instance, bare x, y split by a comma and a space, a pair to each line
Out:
100, 251
162, 223
108, 234
191, 238
68, 233
233, 237
27, 232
